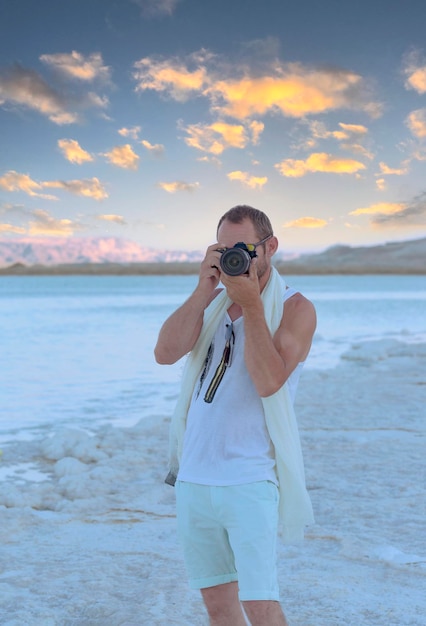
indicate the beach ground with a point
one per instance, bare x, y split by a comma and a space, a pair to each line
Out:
92, 540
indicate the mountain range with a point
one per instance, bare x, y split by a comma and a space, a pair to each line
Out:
59, 251
110, 255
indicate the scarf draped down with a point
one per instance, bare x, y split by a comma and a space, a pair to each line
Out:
295, 509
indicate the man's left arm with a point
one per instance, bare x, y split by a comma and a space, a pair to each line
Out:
271, 360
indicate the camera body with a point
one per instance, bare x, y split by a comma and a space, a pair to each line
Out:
236, 261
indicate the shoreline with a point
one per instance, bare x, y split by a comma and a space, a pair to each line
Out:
186, 269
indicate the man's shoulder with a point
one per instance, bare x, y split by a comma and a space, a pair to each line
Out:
298, 305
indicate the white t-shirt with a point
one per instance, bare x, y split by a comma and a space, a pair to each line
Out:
226, 440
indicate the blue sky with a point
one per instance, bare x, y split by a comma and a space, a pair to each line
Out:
148, 119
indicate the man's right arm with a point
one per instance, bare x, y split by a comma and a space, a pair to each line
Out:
181, 330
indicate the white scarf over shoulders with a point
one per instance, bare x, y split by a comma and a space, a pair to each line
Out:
295, 505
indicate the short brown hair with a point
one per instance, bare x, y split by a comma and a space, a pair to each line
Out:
241, 212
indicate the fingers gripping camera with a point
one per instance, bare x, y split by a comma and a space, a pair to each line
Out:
236, 261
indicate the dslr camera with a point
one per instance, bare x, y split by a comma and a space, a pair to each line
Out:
236, 261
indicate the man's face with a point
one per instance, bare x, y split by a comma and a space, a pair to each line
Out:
229, 234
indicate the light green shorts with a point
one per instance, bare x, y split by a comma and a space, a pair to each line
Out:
230, 534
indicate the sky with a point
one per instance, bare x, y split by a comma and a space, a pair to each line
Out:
149, 119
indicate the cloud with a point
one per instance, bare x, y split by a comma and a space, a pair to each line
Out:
132, 132
38, 222
23, 87
171, 76
306, 222
88, 188
123, 156
26, 88
254, 182
381, 184
156, 8
216, 137
415, 71
76, 66
381, 208
347, 131
156, 149
178, 185
44, 224
118, 219
292, 89
416, 122
354, 129
73, 152
210, 159
9, 228
318, 162
14, 181
411, 213
385, 170
257, 129
348, 135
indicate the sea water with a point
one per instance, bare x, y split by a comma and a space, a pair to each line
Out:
78, 350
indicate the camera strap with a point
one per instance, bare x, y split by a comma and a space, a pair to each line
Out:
225, 361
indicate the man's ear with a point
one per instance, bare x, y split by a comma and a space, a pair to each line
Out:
272, 245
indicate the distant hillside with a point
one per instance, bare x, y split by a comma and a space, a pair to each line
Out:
109, 256
390, 258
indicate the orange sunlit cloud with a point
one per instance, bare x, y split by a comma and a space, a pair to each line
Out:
417, 80
295, 93
349, 136
318, 162
9, 228
381, 184
385, 170
169, 76
111, 217
319, 131
132, 132
356, 129
14, 181
45, 224
88, 188
178, 185
306, 222
292, 89
415, 71
73, 152
154, 149
217, 137
416, 122
123, 156
396, 214
381, 208
76, 65
257, 129
254, 182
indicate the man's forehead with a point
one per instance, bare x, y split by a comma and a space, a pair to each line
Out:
246, 226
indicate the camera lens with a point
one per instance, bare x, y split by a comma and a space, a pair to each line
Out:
235, 262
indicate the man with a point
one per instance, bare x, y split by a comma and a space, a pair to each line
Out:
234, 443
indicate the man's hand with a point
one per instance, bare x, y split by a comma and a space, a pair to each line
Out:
209, 275
244, 290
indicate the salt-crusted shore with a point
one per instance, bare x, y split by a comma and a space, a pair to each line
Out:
90, 540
